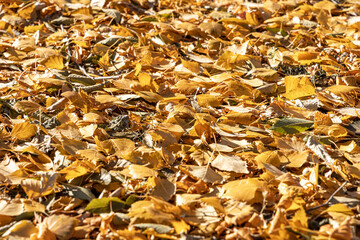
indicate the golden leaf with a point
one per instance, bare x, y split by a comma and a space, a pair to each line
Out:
104, 61
54, 62
76, 169
24, 130
246, 190
298, 87
206, 100
269, 157
192, 66
21, 229
147, 82
139, 171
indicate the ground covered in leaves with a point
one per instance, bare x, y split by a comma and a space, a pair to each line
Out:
179, 119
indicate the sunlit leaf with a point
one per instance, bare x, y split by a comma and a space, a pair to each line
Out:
105, 205
24, 130
54, 62
291, 125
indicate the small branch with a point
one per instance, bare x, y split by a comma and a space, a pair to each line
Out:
107, 77
93, 87
330, 198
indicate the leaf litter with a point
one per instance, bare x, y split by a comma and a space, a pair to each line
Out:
179, 119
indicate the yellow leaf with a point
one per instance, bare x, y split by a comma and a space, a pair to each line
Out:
104, 61
91, 155
342, 89
103, 99
246, 190
325, 5
137, 69
23, 130
349, 146
244, 118
340, 208
76, 169
297, 159
201, 127
270, 157
21, 230
5, 220
322, 119
205, 100
131, 234
214, 202
239, 89
27, 12
298, 87
32, 29
265, 74
192, 66
54, 62
122, 146
135, 171
150, 211
180, 226
27, 106
213, 28
251, 18
300, 56
39, 158
337, 131
26, 44
147, 82
353, 170
300, 218
175, 129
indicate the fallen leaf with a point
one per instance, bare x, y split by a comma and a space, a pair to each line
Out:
35, 188
24, 130
298, 87
230, 163
247, 190
105, 205
291, 125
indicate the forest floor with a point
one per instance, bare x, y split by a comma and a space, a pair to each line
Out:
137, 119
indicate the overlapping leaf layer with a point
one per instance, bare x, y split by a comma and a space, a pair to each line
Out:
191, 119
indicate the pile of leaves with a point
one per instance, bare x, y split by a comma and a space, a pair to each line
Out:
192, 119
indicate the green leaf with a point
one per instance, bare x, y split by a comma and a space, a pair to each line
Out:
291, 125
105, 205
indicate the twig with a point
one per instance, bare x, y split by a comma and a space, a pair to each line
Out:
328, 201
107, 77
93, 87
